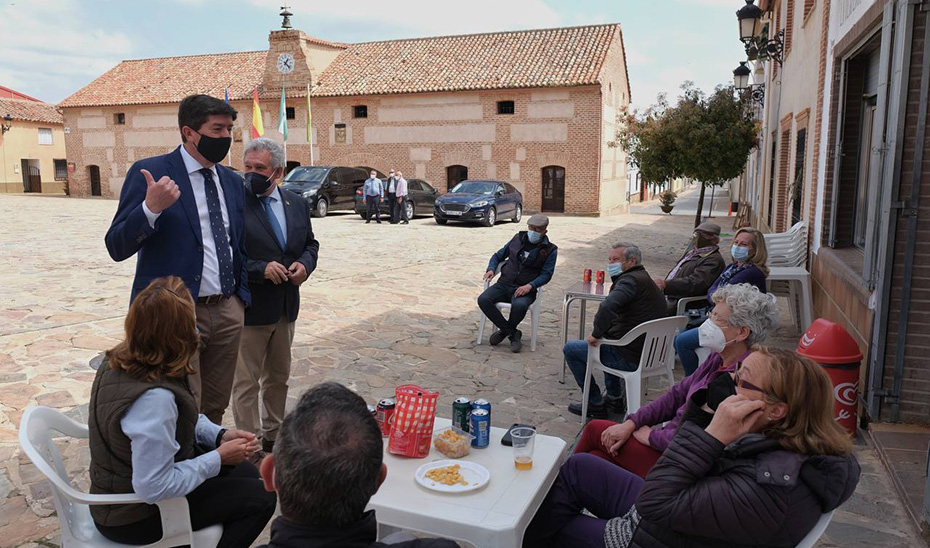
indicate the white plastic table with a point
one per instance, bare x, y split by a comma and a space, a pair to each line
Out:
495, 515
584, 292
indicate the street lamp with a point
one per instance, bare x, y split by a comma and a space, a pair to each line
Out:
749, 16
7, 124
750, 34
741, 75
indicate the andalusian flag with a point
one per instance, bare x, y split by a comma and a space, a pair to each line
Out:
258, 129
282, 117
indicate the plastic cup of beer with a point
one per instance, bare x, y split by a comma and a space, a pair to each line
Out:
524, 440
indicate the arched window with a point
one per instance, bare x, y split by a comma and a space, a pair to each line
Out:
455, 175
553, 188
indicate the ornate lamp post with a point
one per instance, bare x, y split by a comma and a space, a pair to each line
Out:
741, 76
750, 34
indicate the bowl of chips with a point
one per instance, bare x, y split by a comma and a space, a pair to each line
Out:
453, 442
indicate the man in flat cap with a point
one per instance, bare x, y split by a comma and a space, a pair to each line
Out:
526, 264
697, 269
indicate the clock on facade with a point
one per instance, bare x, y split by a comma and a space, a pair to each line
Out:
285, 63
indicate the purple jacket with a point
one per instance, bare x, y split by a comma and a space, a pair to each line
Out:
670, 406
751, 275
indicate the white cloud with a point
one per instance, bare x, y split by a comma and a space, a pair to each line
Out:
425, 18
50, 48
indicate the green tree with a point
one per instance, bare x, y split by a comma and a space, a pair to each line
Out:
704, 138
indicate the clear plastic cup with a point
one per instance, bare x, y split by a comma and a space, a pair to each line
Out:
524, 440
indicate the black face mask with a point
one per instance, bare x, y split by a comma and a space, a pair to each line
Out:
258, 183
214, 149
720, 389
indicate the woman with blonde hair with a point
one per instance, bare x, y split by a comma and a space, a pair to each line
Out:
748, 267
769, 462
147, 437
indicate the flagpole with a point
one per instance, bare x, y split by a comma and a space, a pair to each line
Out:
309, 126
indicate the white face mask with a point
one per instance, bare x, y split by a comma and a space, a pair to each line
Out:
711, 337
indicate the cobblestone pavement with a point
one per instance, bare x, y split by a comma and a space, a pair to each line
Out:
389, 304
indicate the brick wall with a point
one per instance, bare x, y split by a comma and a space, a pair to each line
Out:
817, 143
915, 395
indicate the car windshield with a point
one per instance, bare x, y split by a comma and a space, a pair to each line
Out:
306, 175
475, 187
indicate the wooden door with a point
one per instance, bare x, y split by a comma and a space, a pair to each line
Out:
553, 189
455, 175
94, 180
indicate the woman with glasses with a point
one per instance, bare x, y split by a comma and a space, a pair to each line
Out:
148, 438
769, 462
742, 317
748, 266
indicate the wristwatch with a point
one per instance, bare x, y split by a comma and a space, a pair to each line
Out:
219, 437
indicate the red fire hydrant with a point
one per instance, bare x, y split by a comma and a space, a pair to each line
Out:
834, 348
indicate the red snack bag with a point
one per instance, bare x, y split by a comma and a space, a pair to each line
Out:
412, 429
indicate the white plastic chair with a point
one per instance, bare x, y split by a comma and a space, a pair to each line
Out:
684, 301
73, 506
534, 313
658, 358
811, 538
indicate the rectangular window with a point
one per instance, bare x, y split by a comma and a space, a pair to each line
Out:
61, 170
45, 136
505, 107
289, 113
339, 134
797, 187
119, 118
360, 111
772, 178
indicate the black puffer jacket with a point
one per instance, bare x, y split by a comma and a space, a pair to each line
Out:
751, 493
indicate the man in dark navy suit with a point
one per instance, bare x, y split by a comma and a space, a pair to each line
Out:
181, 214
282, 253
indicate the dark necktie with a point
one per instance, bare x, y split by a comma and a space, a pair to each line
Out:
273, 219
220, 241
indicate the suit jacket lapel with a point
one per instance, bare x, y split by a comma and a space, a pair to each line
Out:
178, 173
259, 211
292, 215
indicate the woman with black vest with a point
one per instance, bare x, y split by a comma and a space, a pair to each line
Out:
147, 437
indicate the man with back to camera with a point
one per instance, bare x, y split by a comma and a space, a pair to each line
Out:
373, 192
181, 214
527, 263
282, 253
327, 463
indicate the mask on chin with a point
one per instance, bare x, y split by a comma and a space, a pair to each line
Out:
258, 184
213, 149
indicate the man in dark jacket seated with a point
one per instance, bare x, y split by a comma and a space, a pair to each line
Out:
696, 270
527, 263
633, 299
326, 465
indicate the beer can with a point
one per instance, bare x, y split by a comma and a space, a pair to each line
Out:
461, 407
587, 276
385, 416
600, 276
480, 427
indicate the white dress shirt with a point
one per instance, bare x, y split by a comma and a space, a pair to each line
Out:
210, 276
277, 207
151, 425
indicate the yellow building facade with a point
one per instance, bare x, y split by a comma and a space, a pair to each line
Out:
32, 146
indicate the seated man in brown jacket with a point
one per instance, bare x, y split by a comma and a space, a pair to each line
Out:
697, 269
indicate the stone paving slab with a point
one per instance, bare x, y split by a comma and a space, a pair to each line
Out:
389, 304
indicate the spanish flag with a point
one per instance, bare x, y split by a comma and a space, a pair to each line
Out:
258, 129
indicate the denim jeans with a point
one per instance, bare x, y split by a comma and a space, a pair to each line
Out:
685, 344
576, 355
503, 293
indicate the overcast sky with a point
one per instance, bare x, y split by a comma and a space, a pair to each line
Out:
52, 48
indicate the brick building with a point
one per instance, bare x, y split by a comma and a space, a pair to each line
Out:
534, 108
844, 148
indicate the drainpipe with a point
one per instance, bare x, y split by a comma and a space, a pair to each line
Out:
909, 213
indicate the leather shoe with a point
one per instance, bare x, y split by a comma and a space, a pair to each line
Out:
515, 344
616, 404
594, 411
497, 337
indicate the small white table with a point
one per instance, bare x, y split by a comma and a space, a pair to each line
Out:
584, 292
495, 515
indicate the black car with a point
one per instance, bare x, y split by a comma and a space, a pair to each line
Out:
420, 199
482, 202
327, 188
